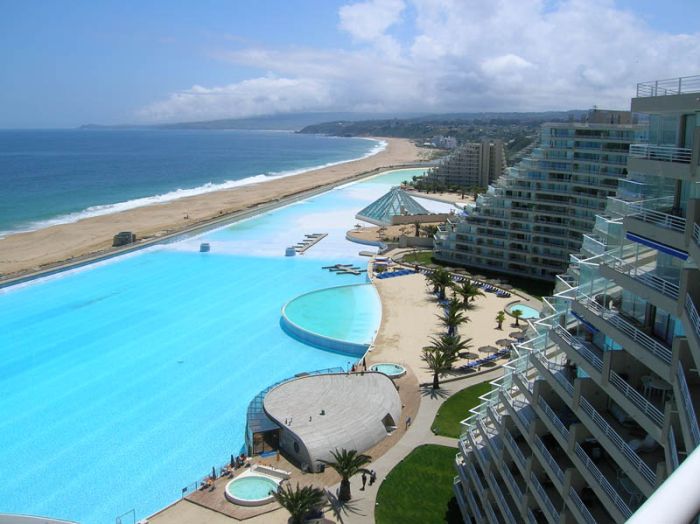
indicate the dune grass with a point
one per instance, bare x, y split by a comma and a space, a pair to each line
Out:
456, 408
419, 489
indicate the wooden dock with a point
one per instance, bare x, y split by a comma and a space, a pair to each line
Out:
309, 241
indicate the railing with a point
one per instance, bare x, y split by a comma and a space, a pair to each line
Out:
580, 348
604, 484
524, 412
549, 459
661, 153
517, 492
518, 455
531, 517
592, 245
476, 480
670, 86
653, 346
646, 407
576, 500
502, 500
618, 442
548, 506
688, 406
672, 449
556, 370
489, 511
552, 416
665, 287
696, 233
475, 508
693, 315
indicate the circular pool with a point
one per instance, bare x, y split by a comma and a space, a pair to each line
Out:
251, 490
389, 369
527, 311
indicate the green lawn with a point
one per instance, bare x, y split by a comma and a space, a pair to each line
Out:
421, 257
456, 408
419, 489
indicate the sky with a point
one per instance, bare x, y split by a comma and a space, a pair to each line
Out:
66, 63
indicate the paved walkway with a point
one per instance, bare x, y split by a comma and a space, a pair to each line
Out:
361, 508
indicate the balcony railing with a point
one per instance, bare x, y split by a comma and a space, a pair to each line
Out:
524, 411
611, 317
552, 416
505, 509
489, 511
515, 489
580, 348
531, 517
556, 370
476, 480
576, 500
688, 406
549, 459
646, 277
618, 442
696, 233
603, 482
548, 506
517, 454
637, 399
474, 507
670, 86
673, 449
661, 153
692, 315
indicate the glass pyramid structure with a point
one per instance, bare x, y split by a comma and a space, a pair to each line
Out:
395, 202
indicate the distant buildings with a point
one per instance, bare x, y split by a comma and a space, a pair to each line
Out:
475, 164
596, 413
533, 217
444, 142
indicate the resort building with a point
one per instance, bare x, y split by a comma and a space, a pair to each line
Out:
533, 217
475, 164
598, 408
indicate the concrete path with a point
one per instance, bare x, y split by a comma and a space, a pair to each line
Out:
361, 509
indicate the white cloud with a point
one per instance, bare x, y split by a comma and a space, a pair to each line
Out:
461, 55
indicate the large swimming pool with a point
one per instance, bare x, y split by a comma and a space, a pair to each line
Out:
124, 382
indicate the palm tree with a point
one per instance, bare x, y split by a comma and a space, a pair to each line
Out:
452, 344
439, 362
347, 464
440, 279
416, 224
468, 292
500, 317
517, 313
452, 317
299, 501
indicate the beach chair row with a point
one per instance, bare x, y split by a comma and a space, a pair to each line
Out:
485, 360
398, 273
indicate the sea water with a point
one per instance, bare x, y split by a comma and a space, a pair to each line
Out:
123, 382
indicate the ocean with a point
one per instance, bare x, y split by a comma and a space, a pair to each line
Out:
59, 176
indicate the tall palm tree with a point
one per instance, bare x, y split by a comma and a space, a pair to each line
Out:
467, 291
452, 317
500, 317
453, 344
347, 464
439, 362
299, 501
440, 279
517, 313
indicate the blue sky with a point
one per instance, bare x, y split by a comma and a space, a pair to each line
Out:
65, 63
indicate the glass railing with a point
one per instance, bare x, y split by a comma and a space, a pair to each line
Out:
614, 437
546, 501
556, 370
661, 153
670, 86
459, 494
476, 480
515, 450
688, 406
646, 277
515, 489
581, 507
617, 501
553, 418
474, 507
579, 347
646, 407
505, 509
549, 459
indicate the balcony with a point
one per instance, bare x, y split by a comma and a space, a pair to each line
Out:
585, 351
505, 508
548, 460
694, 320
543, 499
592, 246
649, 410
515, 451
661, 153
459, 495
645, 281
602, 484
476, 480
686, 407
581, 507
554, 419
492, 439
474, 507
513, 485
608, 435
647, 349
557, 373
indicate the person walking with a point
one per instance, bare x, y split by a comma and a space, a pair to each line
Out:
364, 481
372, 476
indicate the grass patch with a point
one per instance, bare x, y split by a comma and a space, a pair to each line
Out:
420, 257
456, 408
419, 489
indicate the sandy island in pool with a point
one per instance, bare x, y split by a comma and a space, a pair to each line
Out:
28, 252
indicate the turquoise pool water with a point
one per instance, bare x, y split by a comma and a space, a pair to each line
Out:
349, 313
528, 312
391, 370
252, 487
123, 382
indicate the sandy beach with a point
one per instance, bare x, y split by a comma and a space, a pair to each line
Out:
29, 252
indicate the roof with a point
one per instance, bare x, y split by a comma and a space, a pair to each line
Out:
354, 407
395, 202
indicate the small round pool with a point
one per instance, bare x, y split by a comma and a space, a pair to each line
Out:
251, 490
389, 369
528, 312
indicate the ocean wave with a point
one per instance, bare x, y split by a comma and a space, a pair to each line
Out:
209, 187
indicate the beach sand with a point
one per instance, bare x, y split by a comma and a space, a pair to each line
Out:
29, 252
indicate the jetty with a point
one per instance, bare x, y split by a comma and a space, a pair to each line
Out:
344, 269
309, 241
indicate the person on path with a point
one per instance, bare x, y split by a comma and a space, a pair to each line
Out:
364, 481
408, 422
372, 476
